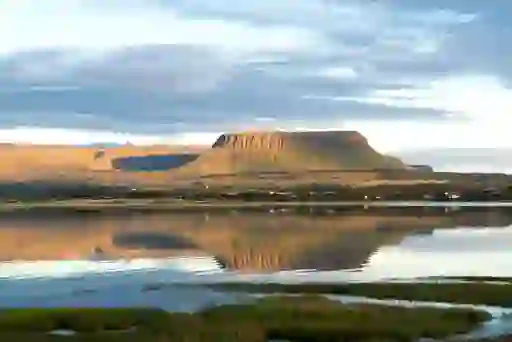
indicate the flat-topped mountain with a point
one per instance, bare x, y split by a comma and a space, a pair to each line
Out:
254, 152
247, 156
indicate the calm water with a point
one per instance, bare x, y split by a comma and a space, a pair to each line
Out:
107, 260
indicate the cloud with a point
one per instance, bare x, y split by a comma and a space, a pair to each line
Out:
100, 26
337, 72
30, 89
471, 96
41, 135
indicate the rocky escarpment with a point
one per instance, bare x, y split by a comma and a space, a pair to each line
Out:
255, 152
281, 140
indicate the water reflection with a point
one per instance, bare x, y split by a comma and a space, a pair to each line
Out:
373, 243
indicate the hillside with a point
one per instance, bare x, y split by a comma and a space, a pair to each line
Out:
25, 162
258, 152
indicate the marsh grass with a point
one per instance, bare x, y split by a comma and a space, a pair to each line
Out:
477, 293
84, 319
297, 319
472, 278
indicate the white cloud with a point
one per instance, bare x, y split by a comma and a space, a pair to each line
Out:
55, 65
391, 136
30, 25
333, 73
46, 89
287, 26
443, 16
66, 136
338, 73
474, 97
265, 119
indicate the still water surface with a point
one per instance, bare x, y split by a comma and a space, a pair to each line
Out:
107, 260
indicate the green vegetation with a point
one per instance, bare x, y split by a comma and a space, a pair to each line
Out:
297, 319
307, 192
460, 293
473, 279
84, 319
504, 338
324, 192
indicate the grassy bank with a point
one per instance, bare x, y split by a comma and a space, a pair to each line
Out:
172, 205
472, 279
505, 338
295, 319
478, 293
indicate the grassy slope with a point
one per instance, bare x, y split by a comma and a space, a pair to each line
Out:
25, 162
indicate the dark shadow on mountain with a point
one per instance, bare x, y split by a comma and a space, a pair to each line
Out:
153, 162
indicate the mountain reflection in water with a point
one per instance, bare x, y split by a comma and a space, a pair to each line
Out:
377, 243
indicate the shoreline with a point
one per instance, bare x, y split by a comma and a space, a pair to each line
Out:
151, 207
171, 205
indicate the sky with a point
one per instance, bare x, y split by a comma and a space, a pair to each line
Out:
408, 74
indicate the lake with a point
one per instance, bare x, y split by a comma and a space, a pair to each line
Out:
106, 260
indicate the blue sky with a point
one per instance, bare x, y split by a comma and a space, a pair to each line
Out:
408, 74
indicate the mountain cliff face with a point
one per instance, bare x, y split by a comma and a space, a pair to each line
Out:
282, 140
290, 152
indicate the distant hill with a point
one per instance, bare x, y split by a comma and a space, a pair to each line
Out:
24, 161
462, 159
255, 152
